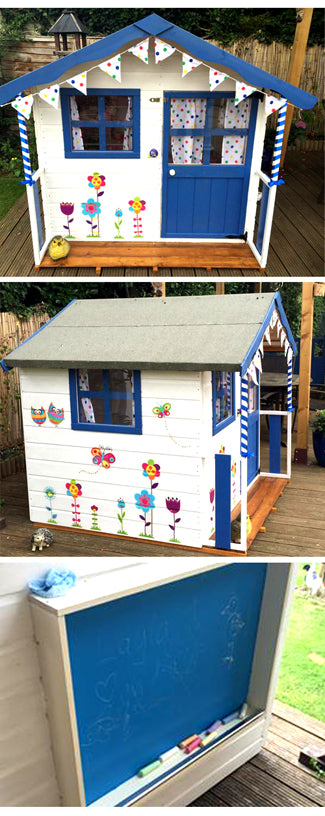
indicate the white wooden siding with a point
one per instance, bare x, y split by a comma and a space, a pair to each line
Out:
55, 455
66, 179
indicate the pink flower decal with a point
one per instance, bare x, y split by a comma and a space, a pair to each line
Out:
136, 206
151, 470
96, 181
74, 490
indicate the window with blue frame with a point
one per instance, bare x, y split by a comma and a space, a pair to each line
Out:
103, 123
223, 399
106, 400
208, 129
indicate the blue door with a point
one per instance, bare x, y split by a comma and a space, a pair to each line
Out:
208, 144
253, 430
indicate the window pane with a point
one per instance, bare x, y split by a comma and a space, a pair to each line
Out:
90, 379
121, 380
91, 409
252, 396
121, 405
118, 108
118, 138
186, 149
218, 113
85, 138
216, 149
84, 107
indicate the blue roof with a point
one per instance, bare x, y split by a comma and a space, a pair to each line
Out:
158, 27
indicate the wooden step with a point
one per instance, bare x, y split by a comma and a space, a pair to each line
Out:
157, 255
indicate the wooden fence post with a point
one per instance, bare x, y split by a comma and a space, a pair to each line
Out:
306, 340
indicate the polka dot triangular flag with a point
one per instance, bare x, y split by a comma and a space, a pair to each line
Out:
112, 67
51, 95
141, 50
162, 50
273, 104
216, 78
257, 360
242, 91
188, 64
252, 372
23, 105
79, 82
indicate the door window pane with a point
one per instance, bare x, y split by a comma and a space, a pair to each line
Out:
186, 149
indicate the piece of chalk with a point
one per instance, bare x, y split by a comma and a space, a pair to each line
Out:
169, 754
195, 744
232, 716
209, 738
213, 726
243, 711
149, 768
187, 741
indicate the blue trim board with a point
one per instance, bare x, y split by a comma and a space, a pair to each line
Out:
105, 394
151, 668
42, 327
275, 443
155, 25
222, 501
276, 303
102, 124
262, 217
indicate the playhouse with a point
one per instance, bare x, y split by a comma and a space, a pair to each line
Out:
123, 656
142, 418
150, 146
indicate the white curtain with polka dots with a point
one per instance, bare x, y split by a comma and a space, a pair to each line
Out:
83, 381
187, 113
234, 147
77, 140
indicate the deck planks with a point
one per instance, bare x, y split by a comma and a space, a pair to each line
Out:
296, 240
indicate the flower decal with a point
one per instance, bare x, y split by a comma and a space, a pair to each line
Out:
121, 515
73, 489
151, 470
174, 506
94, 508
211, 494
118, 213
137, 205
121, 504
67, 209
91, 208
94, 518
144, 501
118, 222
96, 181
50, 494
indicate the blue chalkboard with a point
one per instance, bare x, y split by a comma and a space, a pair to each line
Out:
152, 668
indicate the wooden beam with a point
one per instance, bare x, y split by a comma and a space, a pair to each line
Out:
297, 58
220, 287
306, 340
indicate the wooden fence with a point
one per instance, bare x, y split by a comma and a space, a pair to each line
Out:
12, 332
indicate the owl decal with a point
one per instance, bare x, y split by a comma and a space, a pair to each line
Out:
55, 415
38, 415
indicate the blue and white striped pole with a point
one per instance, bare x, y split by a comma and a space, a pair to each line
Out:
289, 399
275, 181
25, 151
244, 417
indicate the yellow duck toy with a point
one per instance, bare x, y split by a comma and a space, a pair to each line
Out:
58, 248
236, 529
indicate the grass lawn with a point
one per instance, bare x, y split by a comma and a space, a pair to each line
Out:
10, 191
302, 674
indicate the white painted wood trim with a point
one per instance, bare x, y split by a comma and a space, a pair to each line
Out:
274, 413
289, 442
55, 670
268, 225
255, 251
243, 508
275, 475
91, 591
33, 222
263, 177
255, 165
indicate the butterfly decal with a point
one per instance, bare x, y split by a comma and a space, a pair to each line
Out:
55, 415
38, 415
101, 458
162, 410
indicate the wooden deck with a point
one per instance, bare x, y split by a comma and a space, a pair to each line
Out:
274, 777
296, 242
296, 529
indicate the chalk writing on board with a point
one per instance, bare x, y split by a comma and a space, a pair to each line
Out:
235, 624
126, 692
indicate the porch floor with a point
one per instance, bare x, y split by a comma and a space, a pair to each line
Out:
103, 254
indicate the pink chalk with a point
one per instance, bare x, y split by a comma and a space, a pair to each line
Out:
189, 748
213, 726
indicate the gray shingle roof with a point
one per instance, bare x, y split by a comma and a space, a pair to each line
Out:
198, 333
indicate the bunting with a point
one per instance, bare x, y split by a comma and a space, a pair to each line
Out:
216, 78
112, 67
188, 64
141, 50
243, 91
23, 105
273, 104
162, 50
51, 95
79, 82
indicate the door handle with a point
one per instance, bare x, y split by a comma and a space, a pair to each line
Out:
172, 172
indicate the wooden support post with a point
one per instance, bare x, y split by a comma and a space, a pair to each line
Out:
306, 339
258, 287
220, 287
298, 53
